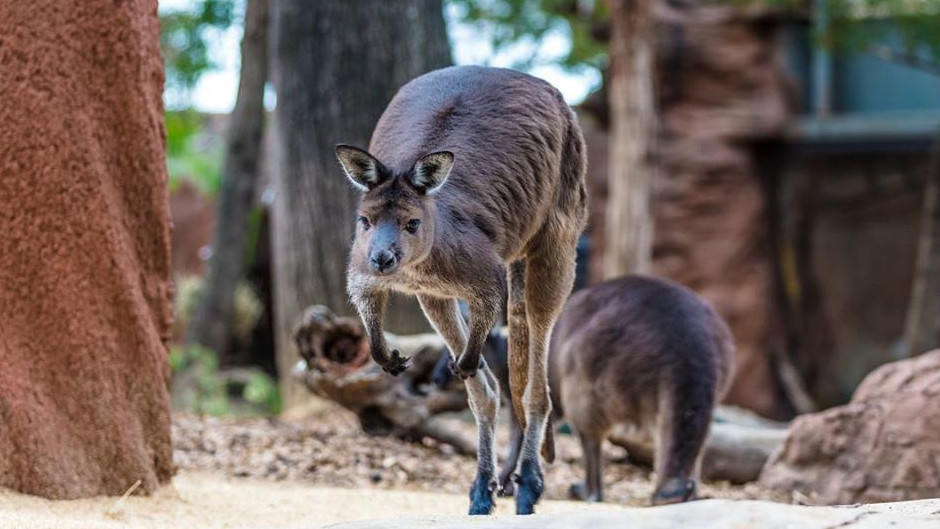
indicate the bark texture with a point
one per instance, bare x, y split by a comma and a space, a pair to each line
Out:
629, 224
213, 320
337, 64
923, 314
84, 249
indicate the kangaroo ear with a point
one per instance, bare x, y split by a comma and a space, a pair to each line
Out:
430, 172
361, 168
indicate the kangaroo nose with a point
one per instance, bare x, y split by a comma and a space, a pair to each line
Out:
382, 260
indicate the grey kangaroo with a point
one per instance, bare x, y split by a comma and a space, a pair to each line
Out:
645, 353
636, 352
474, 182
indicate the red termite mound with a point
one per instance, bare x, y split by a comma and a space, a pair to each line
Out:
84, 249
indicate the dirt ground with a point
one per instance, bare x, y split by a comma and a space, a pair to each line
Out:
329, 449
269, 473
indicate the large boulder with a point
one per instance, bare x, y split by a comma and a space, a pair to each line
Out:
882, 446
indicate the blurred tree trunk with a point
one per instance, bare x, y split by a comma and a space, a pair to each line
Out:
213, 319
923, 313
84, 249
337, 64
629, 226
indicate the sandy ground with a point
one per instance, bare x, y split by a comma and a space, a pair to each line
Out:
316, 471
210, 501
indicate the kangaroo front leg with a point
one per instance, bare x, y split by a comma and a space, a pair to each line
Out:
371, 307
484, 311
482, 393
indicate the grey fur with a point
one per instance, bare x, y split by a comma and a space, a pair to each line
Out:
645, 353
514, 194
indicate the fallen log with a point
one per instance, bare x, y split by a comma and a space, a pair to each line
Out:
739, 444
336, 365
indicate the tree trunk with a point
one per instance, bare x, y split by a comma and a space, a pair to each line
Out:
629, 226
84, 249
337, 65
213, 319
923, 314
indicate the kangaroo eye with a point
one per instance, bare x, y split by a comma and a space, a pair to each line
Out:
364, 221
413, 225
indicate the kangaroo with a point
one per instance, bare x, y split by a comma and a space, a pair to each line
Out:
646, 353
473, 186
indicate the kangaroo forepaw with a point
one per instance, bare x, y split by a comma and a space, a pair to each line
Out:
674, 490
530, 486
396, 363
481, 496
466, 366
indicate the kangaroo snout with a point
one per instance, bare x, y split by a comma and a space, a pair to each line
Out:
383, 261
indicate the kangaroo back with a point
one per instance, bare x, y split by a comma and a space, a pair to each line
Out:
517, 148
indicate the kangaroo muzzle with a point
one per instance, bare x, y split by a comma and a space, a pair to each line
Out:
383, 254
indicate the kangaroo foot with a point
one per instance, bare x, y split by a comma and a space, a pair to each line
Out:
530, 486
481, 495
674, 490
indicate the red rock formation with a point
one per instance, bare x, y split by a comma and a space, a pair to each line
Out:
721, 89
712, 230
882, 446
84, 249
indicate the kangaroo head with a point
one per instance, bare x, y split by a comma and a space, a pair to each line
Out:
395, 225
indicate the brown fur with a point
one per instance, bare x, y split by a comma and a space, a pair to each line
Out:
489, 164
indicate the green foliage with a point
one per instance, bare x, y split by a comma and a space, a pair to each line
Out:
508, 22
912, 24
263, 391
214, 393
185, 39
209, 395
189, 155
209, 390
914, 27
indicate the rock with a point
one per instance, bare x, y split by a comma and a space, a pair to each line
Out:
920, 374
693, 515
723, 91
882, 446
85, 281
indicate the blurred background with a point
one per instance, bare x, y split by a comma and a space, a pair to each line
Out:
781, 151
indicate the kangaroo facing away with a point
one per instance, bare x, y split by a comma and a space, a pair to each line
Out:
474, 180
641, 352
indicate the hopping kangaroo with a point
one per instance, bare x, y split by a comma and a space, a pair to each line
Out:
645, 353
474, 179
